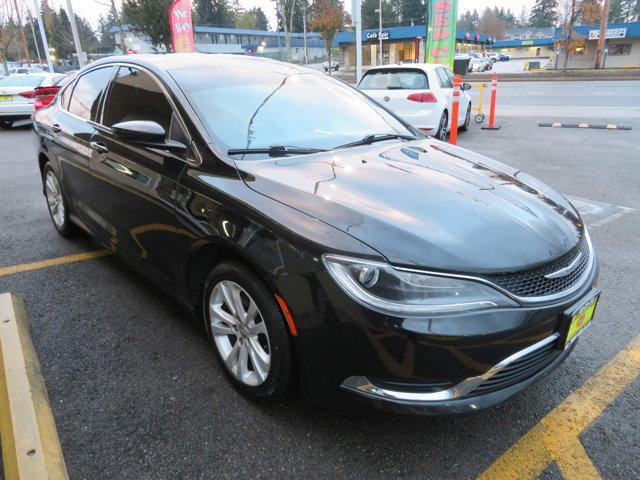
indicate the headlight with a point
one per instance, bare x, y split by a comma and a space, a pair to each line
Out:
385, 289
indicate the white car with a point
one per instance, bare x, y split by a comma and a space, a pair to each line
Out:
13, 105
26, 70
420, 93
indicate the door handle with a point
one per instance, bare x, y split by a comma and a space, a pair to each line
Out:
101, 148
55, 128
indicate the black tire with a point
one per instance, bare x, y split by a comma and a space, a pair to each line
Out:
62, 223
467, 120
278, 381
441, 133
6, 124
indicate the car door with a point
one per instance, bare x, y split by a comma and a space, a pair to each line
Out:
446, 88
135, 186
71, 129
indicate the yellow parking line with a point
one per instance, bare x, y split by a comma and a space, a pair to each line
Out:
555, 437
30, 444
24, 267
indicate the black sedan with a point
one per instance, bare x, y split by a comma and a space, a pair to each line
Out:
329, 247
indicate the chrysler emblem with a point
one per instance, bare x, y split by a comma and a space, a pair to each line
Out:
563, 272
386, 99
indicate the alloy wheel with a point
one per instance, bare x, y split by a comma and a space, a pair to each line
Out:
54, 199
442, 130
240, 333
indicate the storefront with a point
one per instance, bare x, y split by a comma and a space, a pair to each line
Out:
400, 45
622, 46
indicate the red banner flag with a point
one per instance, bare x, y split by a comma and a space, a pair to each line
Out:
181, 27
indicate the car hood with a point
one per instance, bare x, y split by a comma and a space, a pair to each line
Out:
426, 203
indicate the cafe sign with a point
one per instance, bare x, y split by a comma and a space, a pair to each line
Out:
441, 36
374, 35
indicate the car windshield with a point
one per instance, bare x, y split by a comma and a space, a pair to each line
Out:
22, 81
283, 107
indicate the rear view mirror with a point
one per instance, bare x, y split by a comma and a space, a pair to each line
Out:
466, 86
146, 133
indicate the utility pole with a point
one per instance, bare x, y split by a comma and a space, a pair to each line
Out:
304, 28
22, 36
43, 35
76, 37
604, 19
357, 20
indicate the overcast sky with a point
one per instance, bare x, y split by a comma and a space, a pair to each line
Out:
91, 9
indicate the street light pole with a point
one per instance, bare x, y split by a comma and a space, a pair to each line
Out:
380, 31
357, 21
43, 35
76, 37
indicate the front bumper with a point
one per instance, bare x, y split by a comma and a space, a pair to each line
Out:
348, 354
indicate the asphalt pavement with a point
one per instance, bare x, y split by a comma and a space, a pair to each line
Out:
136, 392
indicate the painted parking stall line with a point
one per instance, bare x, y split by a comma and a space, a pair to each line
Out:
556, 437
52, 262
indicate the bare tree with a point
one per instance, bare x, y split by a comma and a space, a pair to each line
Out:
5, 33
287, 23
569, 15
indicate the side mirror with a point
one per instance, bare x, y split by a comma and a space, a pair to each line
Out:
148, 134
466, 86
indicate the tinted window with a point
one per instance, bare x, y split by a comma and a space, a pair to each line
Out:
135, 95
281, 107
65, 96
87, 91
22, 81
445, 82
394, 79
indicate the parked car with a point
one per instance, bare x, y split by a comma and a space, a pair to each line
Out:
26, 70
44, 95
504, 57
334, 64
322, 239
494, 57
421, 94
17, 95
478, 64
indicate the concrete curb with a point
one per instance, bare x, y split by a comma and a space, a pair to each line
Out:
30, 445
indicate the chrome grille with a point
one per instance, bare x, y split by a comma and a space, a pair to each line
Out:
519, 370
532, 283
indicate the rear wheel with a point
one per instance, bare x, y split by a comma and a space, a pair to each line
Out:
56, 202
441, 133
6, 124
248, 332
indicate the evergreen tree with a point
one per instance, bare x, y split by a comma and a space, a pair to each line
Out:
544, 13
412, 12
149, 17
262, 22
370, 18
217, 13
523, 19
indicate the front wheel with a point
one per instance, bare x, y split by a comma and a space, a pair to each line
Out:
56, 202
248, 332
441, 133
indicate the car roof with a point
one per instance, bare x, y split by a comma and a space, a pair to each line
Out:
426, 67
179, 61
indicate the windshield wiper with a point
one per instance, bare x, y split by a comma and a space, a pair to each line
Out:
377, 137
276, 151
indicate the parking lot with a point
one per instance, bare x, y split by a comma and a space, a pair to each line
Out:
136, 392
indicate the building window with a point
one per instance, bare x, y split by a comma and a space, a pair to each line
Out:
231, 39
620, 49
539, 35
579, 50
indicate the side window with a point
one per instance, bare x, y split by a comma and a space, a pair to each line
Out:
66, 95
87, 92
444, 79
135, 95
449, 76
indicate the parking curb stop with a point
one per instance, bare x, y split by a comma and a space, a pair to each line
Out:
30, 444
